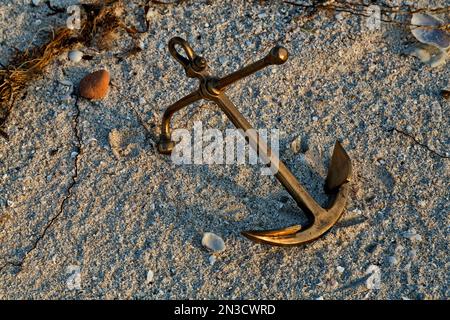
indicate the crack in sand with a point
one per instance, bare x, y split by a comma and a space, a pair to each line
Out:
75, 126
419, 143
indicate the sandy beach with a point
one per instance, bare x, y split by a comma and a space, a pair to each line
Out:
90, 210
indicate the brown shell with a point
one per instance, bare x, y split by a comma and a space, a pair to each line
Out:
95, 85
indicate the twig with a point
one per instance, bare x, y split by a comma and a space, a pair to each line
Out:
361, 9
419, 143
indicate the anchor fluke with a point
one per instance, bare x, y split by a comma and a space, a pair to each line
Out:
339, 174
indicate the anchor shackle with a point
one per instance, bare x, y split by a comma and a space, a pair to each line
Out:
196, 66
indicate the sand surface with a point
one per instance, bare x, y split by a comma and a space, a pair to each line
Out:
82, 218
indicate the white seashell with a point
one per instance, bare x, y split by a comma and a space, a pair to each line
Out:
340, 269
73, 282
438, 60
373, 282
422, 203
212, 260
412, 235
429, 35
150, 276
213, 242
422, 54
36, 2
75, 55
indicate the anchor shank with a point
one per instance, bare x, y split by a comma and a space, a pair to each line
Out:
284, 175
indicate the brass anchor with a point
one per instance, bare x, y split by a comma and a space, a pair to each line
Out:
211, 88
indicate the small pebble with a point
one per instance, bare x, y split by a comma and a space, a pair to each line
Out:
445, 93
36, 2
95, 85
296, 145
213, 242
161, 46
392, 260
150, 276
151, 13
340, 269
340, 16
262, 15
409, 129
75, 55
212, 260
412, 235
141, 45
66, 83
74, 154
315, 118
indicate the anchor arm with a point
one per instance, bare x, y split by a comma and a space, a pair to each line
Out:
166, 145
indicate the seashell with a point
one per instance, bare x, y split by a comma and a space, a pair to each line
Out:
438, 60
150, 276
73, 282
213, 242
422, 54
431, 34
373, 282
75, 55
95, 85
